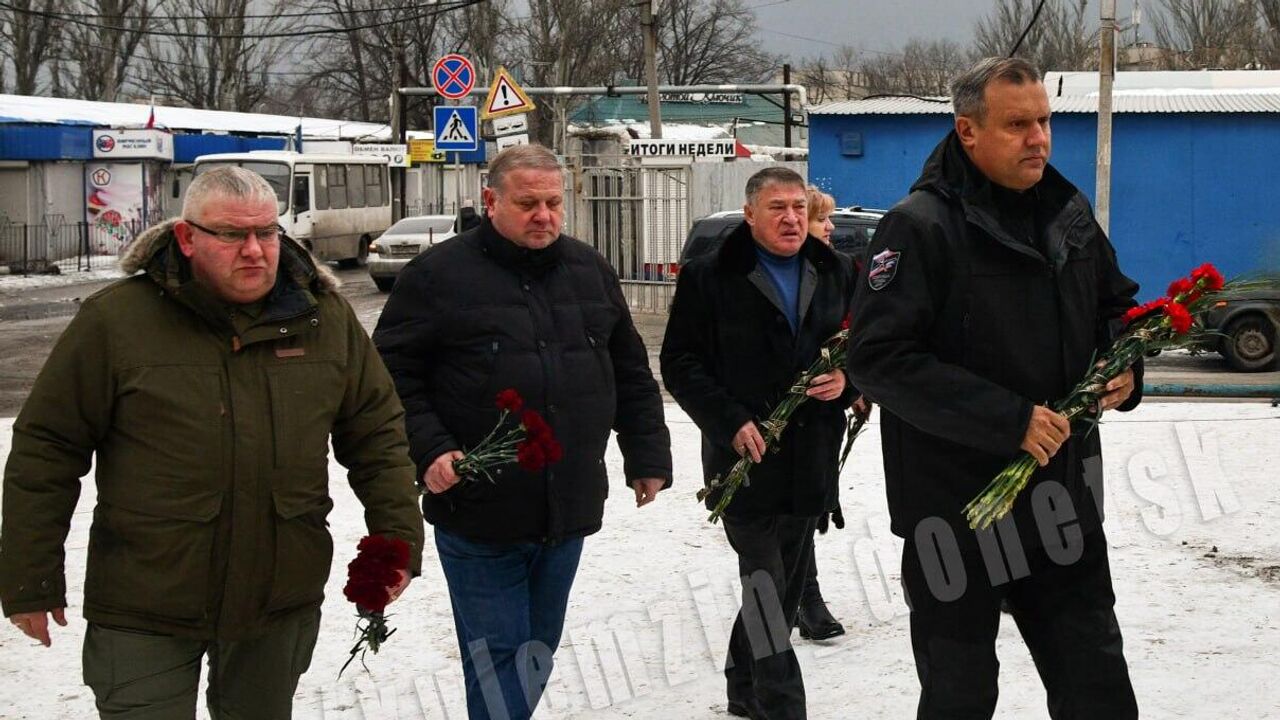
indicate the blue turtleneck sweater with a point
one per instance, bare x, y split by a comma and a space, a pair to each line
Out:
785, 274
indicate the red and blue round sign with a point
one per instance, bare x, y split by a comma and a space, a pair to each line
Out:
453, 76
106, 143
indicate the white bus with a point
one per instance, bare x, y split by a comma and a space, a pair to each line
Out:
335, 205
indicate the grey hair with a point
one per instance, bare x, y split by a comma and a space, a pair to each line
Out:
775, 175
226, 181
968, 88
521, 157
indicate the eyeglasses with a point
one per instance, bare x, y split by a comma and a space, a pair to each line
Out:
266, 235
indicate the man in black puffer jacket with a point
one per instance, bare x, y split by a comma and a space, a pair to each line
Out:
988, 291
515, 304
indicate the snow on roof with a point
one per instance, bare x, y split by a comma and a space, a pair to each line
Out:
670, 131
1125, 101
61, 111
1200, 91
1179, 82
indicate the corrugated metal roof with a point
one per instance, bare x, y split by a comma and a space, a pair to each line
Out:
1267, 101
62, 111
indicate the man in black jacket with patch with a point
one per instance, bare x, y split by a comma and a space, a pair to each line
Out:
745, 321
515, 304
988, 291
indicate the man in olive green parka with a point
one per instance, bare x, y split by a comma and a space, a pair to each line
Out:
207, 389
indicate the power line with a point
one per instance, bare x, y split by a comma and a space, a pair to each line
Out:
458, 5
317, 13
832, 44
1023, 36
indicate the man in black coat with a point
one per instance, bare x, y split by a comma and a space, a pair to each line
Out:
745, 321
515, 304
988, 291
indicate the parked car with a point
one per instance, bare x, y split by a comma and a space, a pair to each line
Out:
852, 233
1247, 324
402, 242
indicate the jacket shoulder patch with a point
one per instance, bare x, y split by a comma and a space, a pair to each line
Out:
884, 266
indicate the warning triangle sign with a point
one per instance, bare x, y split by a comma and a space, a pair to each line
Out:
505, 97
455, 130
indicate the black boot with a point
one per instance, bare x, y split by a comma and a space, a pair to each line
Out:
815, 620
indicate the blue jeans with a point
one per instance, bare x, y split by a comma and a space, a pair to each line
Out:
509, 603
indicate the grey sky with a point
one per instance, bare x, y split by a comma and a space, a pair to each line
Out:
875, 25
868, 25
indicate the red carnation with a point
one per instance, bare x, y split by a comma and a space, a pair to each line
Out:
535, 425
510, 400
1138, 313
1179, 318
385, 551
1181, 286
553, 450
368, 595
844, 324
531, 456
1213, 280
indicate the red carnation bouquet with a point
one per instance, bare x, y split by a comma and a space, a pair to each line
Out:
528, 442
1163, 324
371, 577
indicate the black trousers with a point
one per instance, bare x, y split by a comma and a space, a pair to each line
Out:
762, 672
1064, 611
810, 591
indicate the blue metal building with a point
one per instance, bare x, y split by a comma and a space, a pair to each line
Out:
1194, 173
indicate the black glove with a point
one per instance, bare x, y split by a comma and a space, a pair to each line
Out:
826, 520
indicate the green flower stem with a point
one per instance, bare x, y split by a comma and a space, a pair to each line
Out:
830, 357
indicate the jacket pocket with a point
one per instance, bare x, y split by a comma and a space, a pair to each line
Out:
304, 403
151, 550
303, 550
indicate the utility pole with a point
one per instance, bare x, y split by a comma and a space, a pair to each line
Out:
398, 118
1106, 78
647, 20
786, 106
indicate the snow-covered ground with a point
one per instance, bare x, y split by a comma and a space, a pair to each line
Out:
104, 268
1193, 515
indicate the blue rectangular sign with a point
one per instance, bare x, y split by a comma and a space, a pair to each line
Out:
456, 128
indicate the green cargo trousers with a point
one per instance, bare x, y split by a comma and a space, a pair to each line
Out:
142, 676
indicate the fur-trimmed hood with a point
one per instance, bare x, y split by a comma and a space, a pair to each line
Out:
152, 249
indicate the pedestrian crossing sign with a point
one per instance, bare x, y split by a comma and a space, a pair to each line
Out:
506, 97
456, 128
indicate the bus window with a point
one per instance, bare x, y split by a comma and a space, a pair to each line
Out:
373, 188
338, 187
320, 173
301, 193
355, 186
382, 184
276, 174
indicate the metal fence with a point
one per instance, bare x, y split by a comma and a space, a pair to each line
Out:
59, 247
430, 208
636, 217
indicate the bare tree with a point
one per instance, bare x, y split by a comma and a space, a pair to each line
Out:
923, 68
816, 77
1059, 39
382, 48
1208, 33
1268, 45
574, 42
27, 41
835, 77
483, 33
216, 59
95, 57
710, 42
